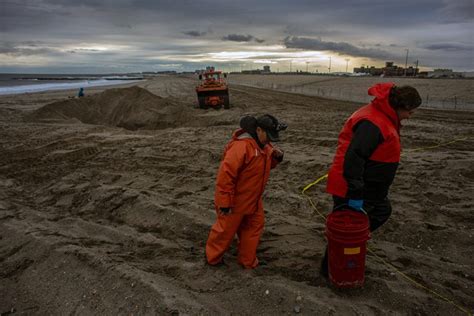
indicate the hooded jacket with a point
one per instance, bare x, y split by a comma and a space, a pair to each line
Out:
243, 174
368, 151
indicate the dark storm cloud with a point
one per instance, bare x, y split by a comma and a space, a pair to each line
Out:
300, 16
341, 48
170, 29
237, 38
242, 38
450, 47
195, 33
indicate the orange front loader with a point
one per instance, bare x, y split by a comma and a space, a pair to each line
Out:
213, 91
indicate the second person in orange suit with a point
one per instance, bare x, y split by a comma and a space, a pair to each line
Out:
241, 179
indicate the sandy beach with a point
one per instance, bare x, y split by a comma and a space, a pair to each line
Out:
106, 202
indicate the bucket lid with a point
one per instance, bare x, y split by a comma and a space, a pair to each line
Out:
347, 221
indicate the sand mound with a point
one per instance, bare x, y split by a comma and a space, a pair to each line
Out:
131, 108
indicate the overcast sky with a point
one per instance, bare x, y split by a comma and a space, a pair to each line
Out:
105, 36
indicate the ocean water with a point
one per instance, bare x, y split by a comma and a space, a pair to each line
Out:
20, 83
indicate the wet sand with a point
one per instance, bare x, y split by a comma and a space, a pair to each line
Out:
101, 219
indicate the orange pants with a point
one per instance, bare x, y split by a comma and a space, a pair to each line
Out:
247, 227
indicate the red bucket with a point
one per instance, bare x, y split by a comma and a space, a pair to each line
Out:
347, 233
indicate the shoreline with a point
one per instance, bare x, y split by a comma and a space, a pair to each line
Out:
51, 87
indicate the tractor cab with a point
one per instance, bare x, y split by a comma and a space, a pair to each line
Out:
213, 76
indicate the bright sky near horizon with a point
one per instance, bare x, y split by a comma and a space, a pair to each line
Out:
110, 36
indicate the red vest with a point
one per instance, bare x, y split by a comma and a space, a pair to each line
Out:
380, 113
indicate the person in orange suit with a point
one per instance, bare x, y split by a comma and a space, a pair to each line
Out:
241, 179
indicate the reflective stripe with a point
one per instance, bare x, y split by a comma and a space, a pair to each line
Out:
351, 251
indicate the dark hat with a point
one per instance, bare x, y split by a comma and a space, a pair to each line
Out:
248, 123
404, 97
271, 125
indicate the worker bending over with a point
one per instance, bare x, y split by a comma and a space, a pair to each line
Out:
241, 179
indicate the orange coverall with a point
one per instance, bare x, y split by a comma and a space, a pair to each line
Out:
241, 179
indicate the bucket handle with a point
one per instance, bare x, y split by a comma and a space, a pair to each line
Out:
346, 207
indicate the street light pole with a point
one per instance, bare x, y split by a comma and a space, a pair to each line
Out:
406, 62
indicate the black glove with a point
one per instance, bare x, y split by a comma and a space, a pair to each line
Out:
225, 210
278, 157
278, 154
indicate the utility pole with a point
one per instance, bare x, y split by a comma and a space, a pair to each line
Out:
416, 68
329, 68
406, 62
347, 63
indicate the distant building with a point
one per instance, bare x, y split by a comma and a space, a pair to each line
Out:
468, 74
369, 70
445, 73
266, 70
423, 74
252, 72
389, 70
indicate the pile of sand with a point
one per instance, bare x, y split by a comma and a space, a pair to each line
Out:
131, 108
